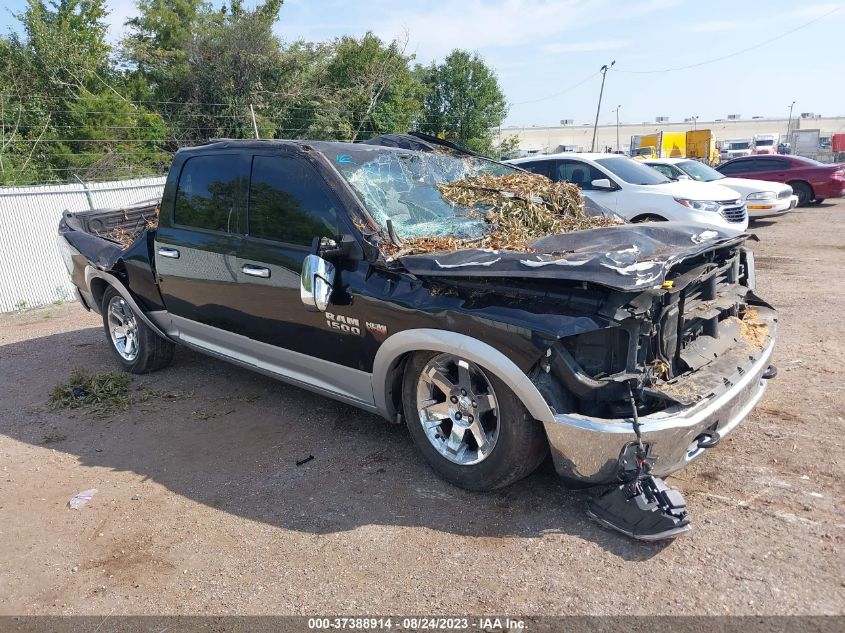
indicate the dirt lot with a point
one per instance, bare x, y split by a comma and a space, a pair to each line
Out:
202, 509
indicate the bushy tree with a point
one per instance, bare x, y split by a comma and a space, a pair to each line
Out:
62, 114
463, 100
366, 88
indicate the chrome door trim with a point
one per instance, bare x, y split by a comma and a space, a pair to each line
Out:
315, 374
166, 251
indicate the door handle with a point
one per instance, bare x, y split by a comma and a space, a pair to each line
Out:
255, 271
172, 253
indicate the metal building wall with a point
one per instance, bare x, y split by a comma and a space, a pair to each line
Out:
31, 270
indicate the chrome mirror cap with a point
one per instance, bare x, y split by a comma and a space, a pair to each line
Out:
316, 283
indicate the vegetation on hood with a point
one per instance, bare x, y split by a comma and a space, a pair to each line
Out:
520, 208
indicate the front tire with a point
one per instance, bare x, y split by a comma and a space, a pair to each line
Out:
138, 349
468, 425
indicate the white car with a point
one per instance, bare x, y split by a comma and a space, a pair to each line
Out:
762, 198
639, 193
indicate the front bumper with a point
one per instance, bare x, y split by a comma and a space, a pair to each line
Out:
588, 449
770, 208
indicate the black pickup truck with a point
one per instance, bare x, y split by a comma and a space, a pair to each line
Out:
274, 255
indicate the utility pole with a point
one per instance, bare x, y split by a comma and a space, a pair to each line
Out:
789, 121
254, 124
598, 109
617, 127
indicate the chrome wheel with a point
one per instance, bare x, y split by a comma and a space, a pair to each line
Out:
123, 328
458, 409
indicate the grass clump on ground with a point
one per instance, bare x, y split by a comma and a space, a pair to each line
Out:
104, 392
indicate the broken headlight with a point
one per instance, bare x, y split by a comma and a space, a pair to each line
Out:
599, 353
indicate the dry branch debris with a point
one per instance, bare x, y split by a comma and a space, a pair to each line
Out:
520, 209
753, 331
126, 237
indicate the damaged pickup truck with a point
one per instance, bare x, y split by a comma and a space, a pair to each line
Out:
369, 274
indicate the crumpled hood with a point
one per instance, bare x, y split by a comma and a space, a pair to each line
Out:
628, 257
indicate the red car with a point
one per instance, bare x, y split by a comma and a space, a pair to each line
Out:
810, 180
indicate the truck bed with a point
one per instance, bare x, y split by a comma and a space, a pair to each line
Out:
104, 235
118, 225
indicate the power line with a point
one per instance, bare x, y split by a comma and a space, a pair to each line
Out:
557, 94
735, 53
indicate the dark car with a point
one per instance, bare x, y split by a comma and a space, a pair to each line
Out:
285, 257
810, 180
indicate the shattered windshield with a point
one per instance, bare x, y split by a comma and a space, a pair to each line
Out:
401, 186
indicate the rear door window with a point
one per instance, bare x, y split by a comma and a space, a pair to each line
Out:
541, 167
770, 164
207, 193
289, 202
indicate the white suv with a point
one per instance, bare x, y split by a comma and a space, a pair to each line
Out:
638, 193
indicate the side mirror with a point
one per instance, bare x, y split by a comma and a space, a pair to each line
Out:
682, 177
603, 184
315, 285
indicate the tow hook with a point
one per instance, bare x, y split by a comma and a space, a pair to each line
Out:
771, 372
708, 440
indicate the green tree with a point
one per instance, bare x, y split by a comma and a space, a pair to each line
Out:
463, 100
62, 111
191, 55
508, 147
366, 88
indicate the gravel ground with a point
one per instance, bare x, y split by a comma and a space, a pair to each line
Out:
201, 507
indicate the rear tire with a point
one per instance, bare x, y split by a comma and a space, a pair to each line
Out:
818, 200
803, 191
449, 402
136, 346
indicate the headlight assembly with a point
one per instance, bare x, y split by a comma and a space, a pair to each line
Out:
762, 195
699, 205
599, 353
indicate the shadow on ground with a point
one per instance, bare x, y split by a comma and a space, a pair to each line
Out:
235, 442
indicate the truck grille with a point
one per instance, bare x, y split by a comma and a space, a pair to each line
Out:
695, 325
734, 214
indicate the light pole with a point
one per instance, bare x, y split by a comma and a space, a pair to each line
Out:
789, 121
617, 126
598, 109
694, 122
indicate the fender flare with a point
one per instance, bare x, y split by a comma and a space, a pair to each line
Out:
478, 352
114, 282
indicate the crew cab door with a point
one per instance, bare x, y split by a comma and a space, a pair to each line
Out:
288, 205
197, 241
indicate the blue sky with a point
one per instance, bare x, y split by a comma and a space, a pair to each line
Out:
542, 48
